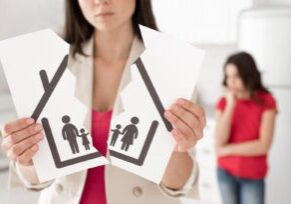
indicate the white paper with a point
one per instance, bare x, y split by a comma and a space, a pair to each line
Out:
140, 141
22, 59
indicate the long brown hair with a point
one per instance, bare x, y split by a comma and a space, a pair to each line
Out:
79, 30
248, 72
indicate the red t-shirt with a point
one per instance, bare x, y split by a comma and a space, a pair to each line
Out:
245, 126
94, 190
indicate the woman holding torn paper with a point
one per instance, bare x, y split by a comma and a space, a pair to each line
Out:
105, 40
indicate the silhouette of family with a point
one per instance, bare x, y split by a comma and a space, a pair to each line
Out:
130, 132
71, 133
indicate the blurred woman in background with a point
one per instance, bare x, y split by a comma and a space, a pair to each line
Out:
244, 132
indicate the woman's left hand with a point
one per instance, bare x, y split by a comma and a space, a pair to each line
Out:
188, 121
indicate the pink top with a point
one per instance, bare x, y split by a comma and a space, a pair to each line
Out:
94, 190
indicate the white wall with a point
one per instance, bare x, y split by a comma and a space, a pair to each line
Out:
210, 80
263, 2
20, 17
278, 180
207, 21
280, 1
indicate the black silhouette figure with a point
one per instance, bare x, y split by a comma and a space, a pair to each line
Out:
70, 133
49, 87
116, 133
130, 133
85, 141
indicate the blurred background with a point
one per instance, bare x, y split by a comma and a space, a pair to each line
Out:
220, 27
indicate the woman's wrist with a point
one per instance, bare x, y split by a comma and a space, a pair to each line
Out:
224, 150
230, 106
178, 171
28, 172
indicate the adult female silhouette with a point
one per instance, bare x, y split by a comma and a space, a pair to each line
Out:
130, 133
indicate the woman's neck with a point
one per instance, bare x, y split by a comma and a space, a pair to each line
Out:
243, 95
114, 45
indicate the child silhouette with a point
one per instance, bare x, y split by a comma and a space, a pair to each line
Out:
85, 140
116, 133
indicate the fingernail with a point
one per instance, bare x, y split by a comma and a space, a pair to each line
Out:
39, 136
30, 120
38, 127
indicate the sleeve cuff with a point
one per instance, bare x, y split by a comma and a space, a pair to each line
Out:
25, 182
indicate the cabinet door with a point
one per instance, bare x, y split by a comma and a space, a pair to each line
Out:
279, 177
266, 34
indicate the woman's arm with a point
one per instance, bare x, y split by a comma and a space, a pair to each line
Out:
256, 147
29, 173
223, 122
188, 121
223, 126
64, 134
136, 134
178, 170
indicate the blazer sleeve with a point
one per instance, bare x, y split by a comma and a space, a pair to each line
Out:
190, 189
17, 179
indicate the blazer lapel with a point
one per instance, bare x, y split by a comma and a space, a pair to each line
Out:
82, 67
136, 50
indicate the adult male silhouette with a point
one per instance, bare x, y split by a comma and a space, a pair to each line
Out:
70, 133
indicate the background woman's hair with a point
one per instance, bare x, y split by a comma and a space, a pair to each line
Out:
247, 70
79, 30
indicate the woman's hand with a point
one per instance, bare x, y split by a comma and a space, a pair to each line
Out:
21, 138
230, 98
188, 121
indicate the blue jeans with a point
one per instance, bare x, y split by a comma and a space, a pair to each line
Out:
236, 190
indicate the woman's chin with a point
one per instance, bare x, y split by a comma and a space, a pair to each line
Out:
104, 27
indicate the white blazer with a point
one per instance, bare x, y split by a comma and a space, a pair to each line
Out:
121, 186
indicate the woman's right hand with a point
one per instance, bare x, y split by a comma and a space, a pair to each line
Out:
20, 140
230, 98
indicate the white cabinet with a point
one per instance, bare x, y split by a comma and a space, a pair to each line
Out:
208, 185
199, 21
266, 34
279, 177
